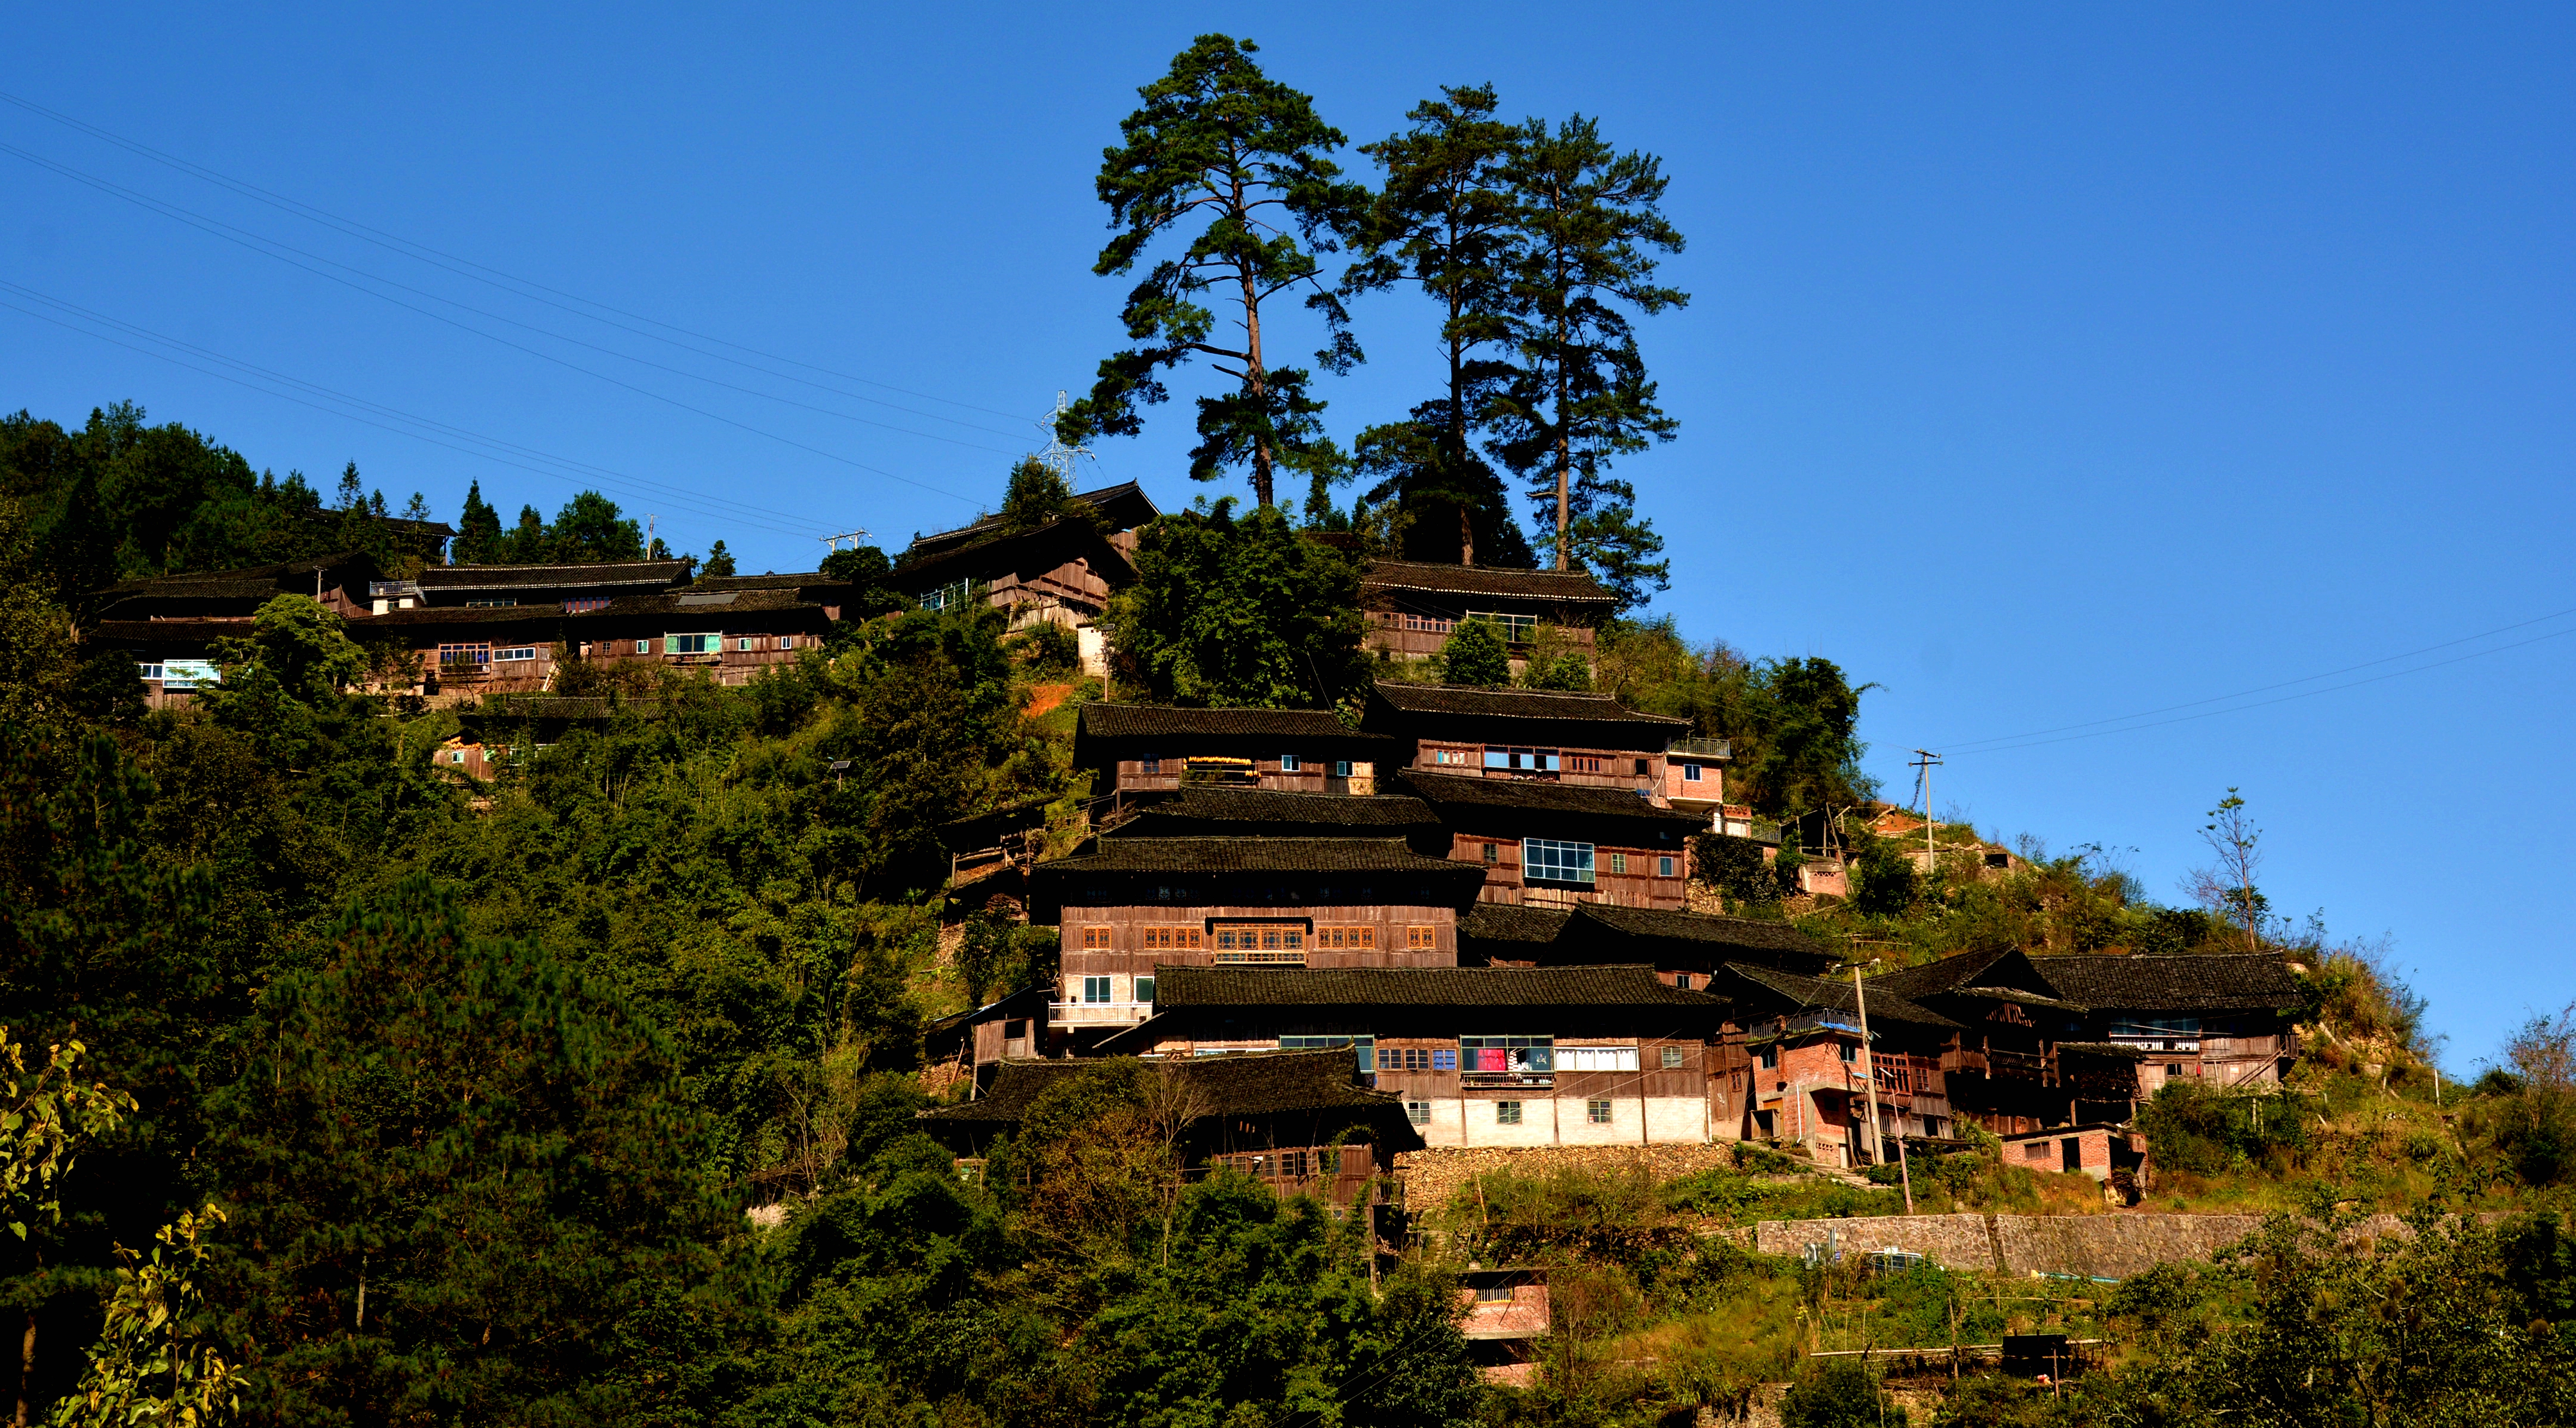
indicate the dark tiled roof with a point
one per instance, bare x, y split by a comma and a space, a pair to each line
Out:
2239, 982
248, 582
690, 603
544, 706
1046, 546
1260, 812
177, 632
548, 577
1257, 855
1250, 1084
1834, 994
1702, 927
1517, 704
799, 580
1512, 922
1448, 791
1571, 587
1935, 977
1177, 988
1155, 721
1126, 506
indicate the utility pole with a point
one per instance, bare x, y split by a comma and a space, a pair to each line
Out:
833, 542
1927, 761
1868, 1060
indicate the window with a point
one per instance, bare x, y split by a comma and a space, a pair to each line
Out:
1151, 766
1644, 767
1771, 1058
1341, 768
1260, 942
741, 643
947, 596
1418, 1112
1096, 939
1494, 1293
1493, 855
1849, 1050
1547, 860
1523, 760
643, 646
491, 604
1095, 990
1172, 939
1596, 1058
1288, 763
1507, 1055
461, 656
1453, 756
1507, 1113
1363, 1048
147, 671
1690, 773
1517, 629
692, 644
2035, 1150
1587, 763
1619, 862
1292, 1164
1405, 1058
787, 642
1663, 867
1341, 939
1597, 1112
1421, 939
520, 653
2173, 1068
1428, 624
1682, 980
1672, 1058
1444, 1059
585, 605
1144, 989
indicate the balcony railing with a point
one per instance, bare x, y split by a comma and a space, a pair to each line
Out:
1491, 1079
1261, 959
1699, 748
1098, 1013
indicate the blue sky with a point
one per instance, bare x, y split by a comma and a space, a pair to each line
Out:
2043, 366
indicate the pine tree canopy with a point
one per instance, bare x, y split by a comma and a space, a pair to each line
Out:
1242, 163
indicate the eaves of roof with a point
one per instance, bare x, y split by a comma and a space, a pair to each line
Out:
1157, 721
1179, 988
1833, 994
551, 577
1569, 587
1202, 855
1529, 704
1464, 791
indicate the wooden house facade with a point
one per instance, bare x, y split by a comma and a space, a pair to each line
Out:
1061, 572
1479, 1056
1412, 607
1539, 736
1143, 748
1550, 844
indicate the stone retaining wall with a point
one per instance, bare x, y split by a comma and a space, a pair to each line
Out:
1431, 1176
2113, 1246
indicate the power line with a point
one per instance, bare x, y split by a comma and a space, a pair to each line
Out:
497, 278
254, 242
595, 474
2303, 694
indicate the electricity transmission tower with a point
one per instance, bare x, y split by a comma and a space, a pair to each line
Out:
1059, 457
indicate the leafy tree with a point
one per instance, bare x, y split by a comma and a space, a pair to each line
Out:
478, 531
1839, 1393
1238, 612
872, 575
528, 542
1580, 397
352, 495
1447, 221
588, 531
153, 1362
1475, 654
719, 560
1038, 493
463, 1175
1219, 144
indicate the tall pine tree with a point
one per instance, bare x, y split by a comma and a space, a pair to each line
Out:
478, 531
1580, 397
1242, 159
1446, 221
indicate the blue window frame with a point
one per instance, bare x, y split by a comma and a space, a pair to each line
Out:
1546, 860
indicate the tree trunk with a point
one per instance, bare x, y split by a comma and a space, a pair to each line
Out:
1564, 433
26, 1367
1253, 380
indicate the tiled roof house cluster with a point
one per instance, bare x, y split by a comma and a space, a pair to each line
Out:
1479, 898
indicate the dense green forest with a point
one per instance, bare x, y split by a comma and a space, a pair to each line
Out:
342, 1091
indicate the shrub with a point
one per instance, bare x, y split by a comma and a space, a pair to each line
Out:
1839, 1393
1475, 654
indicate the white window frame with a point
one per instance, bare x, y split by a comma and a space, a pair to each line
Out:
1690, 773
1288, 763
1565, 862
1098, 991
1663, 865
680, 644
514, 653
643, 646
1596, 1058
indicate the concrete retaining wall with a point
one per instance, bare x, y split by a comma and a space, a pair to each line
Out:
2103, 1246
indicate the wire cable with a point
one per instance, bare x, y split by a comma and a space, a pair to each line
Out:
600, 475
478, 272
254, 242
